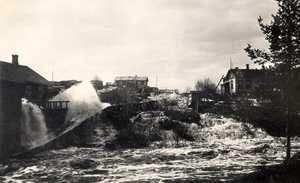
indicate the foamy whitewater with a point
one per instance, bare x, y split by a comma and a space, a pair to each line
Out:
84, 102
33, 125
224, 149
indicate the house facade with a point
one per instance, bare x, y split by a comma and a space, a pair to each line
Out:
242, 81
128, 89
16, 82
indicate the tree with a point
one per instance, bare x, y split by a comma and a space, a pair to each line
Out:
97, 83
187, 90
283, 35
97, 78
205, 85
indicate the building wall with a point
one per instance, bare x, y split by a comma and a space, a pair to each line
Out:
10, 115
229, 86
120, 96
136, 88
239, 85
35, 93
132, 83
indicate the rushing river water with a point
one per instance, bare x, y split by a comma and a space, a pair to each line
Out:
223, 150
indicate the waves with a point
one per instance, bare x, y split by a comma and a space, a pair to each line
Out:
84, 102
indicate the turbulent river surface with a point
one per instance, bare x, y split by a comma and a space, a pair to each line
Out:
224, 149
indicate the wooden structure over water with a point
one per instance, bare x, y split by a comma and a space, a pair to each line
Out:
55, 113
56, 105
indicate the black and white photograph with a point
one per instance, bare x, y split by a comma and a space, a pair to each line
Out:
150, 91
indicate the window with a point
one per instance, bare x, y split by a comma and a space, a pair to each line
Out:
231, 84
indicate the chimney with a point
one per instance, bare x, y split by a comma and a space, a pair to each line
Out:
15, 59
247, 66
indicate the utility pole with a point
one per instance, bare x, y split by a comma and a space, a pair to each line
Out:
156, 81
287, 129
156, 84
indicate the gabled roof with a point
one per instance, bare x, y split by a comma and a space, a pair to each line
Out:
20, 74
128, 78
245, 73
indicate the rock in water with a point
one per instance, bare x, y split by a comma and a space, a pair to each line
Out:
83, 164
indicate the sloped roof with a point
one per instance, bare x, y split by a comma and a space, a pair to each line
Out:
20, 74
127, 78
245, 73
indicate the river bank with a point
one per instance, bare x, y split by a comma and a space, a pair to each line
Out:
285, 172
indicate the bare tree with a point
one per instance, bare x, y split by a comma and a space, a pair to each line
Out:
205, 85
97, 82
97, 78
187, 90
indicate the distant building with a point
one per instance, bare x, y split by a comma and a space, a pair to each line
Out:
16, 81
125, 89
151, 91
241, 81
115, 95
109, 84
136, 85
134, 82
168, 91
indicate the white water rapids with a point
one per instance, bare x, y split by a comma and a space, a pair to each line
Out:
84, 103
33, 125
224, 149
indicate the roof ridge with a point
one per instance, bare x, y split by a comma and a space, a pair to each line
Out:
20, 74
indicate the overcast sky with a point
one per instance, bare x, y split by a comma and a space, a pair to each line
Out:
179, 41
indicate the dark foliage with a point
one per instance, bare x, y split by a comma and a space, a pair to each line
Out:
205, 85
283, 35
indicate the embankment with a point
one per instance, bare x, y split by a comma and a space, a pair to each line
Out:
287, 172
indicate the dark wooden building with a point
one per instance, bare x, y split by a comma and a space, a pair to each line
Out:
135, 85
16, 82
242, 81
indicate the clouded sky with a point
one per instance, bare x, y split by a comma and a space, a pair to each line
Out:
179, 41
